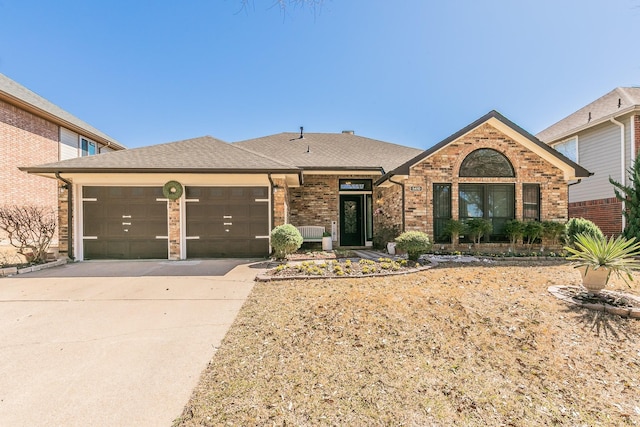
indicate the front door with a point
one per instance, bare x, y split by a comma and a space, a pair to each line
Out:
351, 230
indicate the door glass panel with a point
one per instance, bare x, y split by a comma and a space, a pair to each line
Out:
350, 217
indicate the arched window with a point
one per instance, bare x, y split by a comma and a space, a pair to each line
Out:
486, 162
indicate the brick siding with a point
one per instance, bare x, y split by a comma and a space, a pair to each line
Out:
26, 140
636, 127
605, 213
443, 167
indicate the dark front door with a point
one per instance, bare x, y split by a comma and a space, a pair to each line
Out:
351, 230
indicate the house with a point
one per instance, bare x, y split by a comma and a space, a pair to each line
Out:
491, 169
204, 197
604, 137
36, 131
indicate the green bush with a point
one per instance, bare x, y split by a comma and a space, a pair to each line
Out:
532, 231
553, 231
514, 229
478, 227
285, 239
577, 226
415, 243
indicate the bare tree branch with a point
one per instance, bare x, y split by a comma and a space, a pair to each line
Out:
30, 229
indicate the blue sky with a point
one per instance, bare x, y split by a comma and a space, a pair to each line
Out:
407, 71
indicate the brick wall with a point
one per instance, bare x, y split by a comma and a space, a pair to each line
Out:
280, 202
174, 228
317, 201
443, 167
605, 213
636, 127
26, 140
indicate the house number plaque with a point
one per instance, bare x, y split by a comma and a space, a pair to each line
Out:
416, 188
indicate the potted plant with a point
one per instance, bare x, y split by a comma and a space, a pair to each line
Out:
327, 244
598, 257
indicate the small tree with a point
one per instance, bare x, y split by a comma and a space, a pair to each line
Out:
629, 195
415, 243
552, 231
454, 228
478, 227
285, 239
532, 231
515, 230
30, 229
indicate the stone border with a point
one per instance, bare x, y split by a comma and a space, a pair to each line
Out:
267, 278
11, 271
632, 313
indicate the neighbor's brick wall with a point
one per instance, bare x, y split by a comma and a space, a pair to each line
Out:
605, 213
443, 167
26, 140
317, 201
636, 127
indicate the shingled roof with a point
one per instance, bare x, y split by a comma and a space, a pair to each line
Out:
619, 101
14, 93
198, 155
331, 151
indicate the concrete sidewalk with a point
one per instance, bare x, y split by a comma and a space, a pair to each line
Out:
117, 351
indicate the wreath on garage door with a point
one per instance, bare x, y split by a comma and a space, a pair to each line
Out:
172, 190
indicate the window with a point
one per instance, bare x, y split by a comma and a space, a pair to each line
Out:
493, 202
486, 162
568, 148
88, 147
441, 210
531, 202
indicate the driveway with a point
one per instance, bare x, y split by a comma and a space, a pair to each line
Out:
113, 343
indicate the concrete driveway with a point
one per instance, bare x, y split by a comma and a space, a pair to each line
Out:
78, 348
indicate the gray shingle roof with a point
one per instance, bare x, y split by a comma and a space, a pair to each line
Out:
13, 90
331, 151
204, 154
618, 101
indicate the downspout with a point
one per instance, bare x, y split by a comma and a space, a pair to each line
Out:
623, 178
401, 184
69, 215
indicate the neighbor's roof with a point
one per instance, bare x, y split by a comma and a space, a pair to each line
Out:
619, 101
331, 151
16, 94
496, 118
198, 155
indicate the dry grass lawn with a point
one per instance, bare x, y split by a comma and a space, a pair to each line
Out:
468, 345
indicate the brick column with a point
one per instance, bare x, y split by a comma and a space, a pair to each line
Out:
280, 202
63, 221
174, 229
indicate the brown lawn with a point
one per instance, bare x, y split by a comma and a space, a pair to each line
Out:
470, 345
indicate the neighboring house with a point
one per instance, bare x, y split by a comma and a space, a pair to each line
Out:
206, 198
35, 131
604, 137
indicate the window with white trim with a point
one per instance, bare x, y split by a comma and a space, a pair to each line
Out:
88, 147
568, 148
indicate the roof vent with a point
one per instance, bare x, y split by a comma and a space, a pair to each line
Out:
589, 119
349, 132
301, 132
619, 102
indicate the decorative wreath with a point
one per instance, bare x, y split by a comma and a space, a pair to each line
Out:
172, 190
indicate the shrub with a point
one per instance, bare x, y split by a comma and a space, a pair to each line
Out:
577, 226
30, 229
514, 229
415, 243
532, 231
285, 239
478, 227
552, 231
385, 234
453, 229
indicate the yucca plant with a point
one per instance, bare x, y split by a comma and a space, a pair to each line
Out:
614, 255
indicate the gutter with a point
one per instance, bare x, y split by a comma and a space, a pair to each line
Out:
623, 178
403, 203
69, 187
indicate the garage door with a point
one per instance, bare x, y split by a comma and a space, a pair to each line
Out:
227, 222
124, 223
